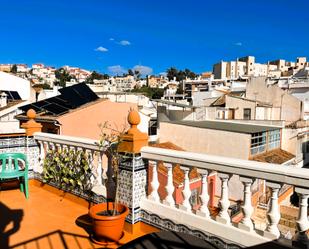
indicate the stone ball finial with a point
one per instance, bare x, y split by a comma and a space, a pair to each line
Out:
134, 118
31, 114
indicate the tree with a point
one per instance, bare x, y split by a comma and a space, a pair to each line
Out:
152, 93
14, 69
62, 77
179, 74
172, 73
189, 74
96, 76
137, 74
130, 72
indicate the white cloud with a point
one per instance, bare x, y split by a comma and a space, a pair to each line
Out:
238, 44
124, 43
117, 69
144, 70
111, 39
101, 49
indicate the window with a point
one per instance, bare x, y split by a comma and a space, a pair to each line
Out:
247, 113
264, 141
258, 143
152, 128
273, 139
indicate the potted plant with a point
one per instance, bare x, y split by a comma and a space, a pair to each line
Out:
108, 218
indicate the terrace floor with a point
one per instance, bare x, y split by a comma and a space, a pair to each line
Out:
49, 219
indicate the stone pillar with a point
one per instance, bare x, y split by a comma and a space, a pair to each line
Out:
31, 126
132, 175
32, 149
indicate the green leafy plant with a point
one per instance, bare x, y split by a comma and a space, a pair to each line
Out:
68, 169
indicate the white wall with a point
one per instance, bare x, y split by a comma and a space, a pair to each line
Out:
9, 82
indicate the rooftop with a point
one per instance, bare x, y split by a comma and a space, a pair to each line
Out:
277, 156
167, 102
227, 126
70, 98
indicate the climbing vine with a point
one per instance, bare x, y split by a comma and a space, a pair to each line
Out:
68, 169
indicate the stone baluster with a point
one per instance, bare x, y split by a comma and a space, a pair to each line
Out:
154, 196
247, 209
51, 146
273, 214
98, 187
100, 169
39, 168
64, 147
302, 224
204, 196
224, 203
169, 199
90, 155
186, 192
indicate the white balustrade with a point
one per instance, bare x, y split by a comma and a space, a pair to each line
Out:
247, 209
154, 183
169, 199
90, 147
224, 203
273, 214
186, 206
302, 223
204, 196
248, 170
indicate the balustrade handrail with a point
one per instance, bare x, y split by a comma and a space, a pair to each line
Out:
85, 143
271, 172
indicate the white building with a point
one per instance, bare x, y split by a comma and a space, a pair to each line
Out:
9, 82
246, 66
124, 83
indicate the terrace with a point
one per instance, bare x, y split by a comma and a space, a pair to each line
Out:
53, 218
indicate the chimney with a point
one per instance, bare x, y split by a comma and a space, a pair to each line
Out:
3, 99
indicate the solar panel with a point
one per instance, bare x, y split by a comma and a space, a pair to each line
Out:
85, 92
25, 108
78, 94
12, 95
71, 97
55, 109
15, 95
60, 101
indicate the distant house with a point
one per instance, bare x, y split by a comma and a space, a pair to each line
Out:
10, 101
14, 93
78, 111
229, 139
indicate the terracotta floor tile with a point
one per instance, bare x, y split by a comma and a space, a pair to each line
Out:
48, 220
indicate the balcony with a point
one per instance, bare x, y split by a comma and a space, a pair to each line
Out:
152, 210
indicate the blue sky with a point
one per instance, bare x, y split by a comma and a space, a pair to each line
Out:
112, 36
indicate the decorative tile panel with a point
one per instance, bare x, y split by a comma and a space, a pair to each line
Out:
169, 225
26, 145
132, 182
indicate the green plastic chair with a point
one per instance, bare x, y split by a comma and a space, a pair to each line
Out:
15, 165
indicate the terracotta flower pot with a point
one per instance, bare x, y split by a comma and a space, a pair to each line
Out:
108, 228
